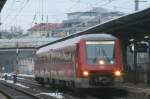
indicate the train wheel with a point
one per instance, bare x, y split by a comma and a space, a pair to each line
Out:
42, 81
47, 81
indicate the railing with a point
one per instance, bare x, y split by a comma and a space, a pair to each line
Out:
141, 74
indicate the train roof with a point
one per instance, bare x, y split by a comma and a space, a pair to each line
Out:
69, 40
97, 37
103, 36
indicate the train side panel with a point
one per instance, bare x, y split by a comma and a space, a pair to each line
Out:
63, 67
59, 65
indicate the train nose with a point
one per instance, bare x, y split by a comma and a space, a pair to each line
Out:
101, 80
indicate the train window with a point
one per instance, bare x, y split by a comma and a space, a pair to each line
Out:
77, 50
100, 52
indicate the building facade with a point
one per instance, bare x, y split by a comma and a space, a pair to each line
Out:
43, 30
78, 21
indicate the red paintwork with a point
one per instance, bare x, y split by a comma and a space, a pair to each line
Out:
73, 67
118, 55
83, 64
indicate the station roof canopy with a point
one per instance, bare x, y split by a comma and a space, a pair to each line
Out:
135, 25
2, 3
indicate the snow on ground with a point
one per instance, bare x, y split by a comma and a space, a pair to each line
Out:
18, 84
19, 78
25, 75
9, 81
56, 95
23, 86
1, 78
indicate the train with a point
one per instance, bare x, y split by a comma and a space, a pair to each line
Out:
80, 61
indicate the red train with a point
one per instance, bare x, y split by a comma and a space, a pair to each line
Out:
82, 61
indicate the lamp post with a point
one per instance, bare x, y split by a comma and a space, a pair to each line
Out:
135, 62
17, 59
149, 49
134, 49
148, 79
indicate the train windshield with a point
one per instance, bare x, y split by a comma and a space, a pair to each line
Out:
100, 52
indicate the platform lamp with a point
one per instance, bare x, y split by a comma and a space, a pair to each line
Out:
135, 59
17, 58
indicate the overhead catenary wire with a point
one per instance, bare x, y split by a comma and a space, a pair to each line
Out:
41, 13
70, 8
123, 8
37, 13
76, 2
42, 18
34, 17
10, 9
96, 4
16, 8
15, 17
39, 9
109, 2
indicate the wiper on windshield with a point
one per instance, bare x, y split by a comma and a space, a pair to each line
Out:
100, 54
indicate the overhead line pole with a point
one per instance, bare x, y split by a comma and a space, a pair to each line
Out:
135, 63
148, 79
137, 4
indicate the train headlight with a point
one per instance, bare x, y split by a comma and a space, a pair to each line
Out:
118, 73
101, 62
85, 73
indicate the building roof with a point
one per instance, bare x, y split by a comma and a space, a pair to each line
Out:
74, 13
45, 26
95, 10
99, 10
135, 25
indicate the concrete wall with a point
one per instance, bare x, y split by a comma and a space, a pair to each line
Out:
8, 59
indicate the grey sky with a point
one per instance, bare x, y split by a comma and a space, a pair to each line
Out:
22, 12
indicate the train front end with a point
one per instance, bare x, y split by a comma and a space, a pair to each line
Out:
100, 62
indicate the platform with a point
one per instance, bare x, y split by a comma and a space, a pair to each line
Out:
138, 91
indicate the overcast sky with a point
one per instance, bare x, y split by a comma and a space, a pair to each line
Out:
25, 13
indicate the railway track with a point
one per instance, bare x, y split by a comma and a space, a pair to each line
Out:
13, 92
35, 90
119, 98
66, 93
